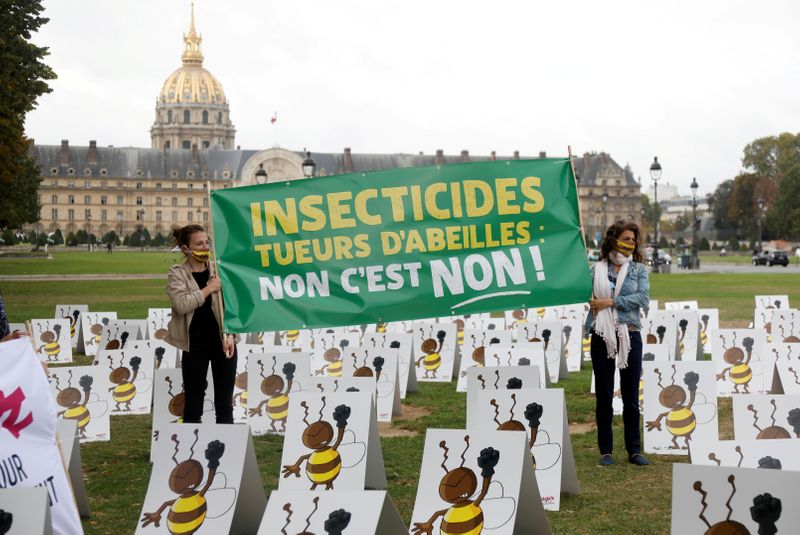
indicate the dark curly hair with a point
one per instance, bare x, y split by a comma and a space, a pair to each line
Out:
612, 235
182, 235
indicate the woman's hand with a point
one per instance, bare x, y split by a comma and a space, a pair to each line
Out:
228, 346
12, 336
597, 305
213, 284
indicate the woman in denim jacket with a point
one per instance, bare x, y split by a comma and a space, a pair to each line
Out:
620, 290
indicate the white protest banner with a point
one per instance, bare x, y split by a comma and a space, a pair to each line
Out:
81, 393
738, 355
545, 415
28, 449
333, 439
774, 454
272, 379
73, 314
404, 343
710, 500
477, 482
434, 351
205, 479
366, 512
92, 324
766, 416
51, 340
778, 301
680, 405
380, 366
66, 432
474, 349
499, 378
25, 511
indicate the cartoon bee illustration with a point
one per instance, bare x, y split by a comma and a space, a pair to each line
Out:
277, 401
567, 333
460, 325
380, 327
465, 515
479, 352
290, 337
682, 325
159, 355
775, 431
74, 408
333, 357
124, 389
704, 331
540, 312
240, 382
791, 339
50, 348
158, 325
117, 342
681, 420
549, 452
177, 402
740, 372
520, 316
738, 449
324, 463
190, 509
97, 331
72, 318
337, 520
766, 510
651, 338
586, 344
432, 359
545, 336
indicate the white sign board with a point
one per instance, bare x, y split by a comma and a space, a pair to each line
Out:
766, 416
51, 340
434, 351
82, 396
92, 325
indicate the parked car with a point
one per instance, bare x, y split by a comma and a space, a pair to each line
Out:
593, 255
663, 258
770, 258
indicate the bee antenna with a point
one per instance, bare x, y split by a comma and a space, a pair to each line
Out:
755, 416
513, 405
177, 444
355, 359
483, 339
305, 408
169, 382
734, 338
698, 486
483, 382
496, 378
731, 479
288, 508
308, 518
741, 455
713, 457
261, 365
796, 379
466, 439
782, 331
274, 363
110, 362
658, 372
322, 408
335, 387
443, 445
674, 371
724, 345
493, 403
58, 387
774, 409
69, 381
196, 438
473, 340
509, 358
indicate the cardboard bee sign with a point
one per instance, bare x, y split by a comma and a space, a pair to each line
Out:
380, 366
272, 379
81, 394
157, 323
483, 322
549, 333
498, 378
475, 348
768, 454
786, 326
67, 434
73, 314
680, 405
681, 305
51, 340
709, 321
787, 355
542, 415
130, 374
118, 333
342, 384
711, 499
404, 344
477, 482
688, 322
159, 352
738, 355
321, 340
434, 351
25, 510
92, 325
650, 353
572, 329
766, 416
516, 318
652, 309
205, 479
661, 328
329, 352
368, 512
332, 443
777, 302
296, 340
519, 354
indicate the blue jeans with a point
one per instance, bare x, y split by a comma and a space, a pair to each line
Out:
629, 388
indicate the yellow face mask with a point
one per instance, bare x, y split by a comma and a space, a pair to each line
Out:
624, 247
201, 256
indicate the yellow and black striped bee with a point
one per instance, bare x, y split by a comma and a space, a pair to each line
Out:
72, 318
324, 463
463, 516
704, 331
277, 401
240, 382
740, 371
432, 358
97, 331
50, 348
520, 316
190, 509
124, 389
681, 421
333, 357
766, 510
177, 402
118, 341
337, 520
70, 399
290, 337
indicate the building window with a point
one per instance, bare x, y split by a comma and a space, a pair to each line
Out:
54, 170
174, 186
87, 184
55, 183
158, 201
104, 184
87, 172
219, 117
71, 214
103, 215
158, 215
190, 186
139, 172
186, 144
54, 214
175, 216
70, 171
119, 199
169, 119
205, 117
71, 184
185, 116
103, 199
205, 201
167, 145
119, 218
189, 201
205, 145
158, 185
54, 199
71, 199
138, 184
120, 185
138, 201
87, 199
205, 217
174, 201
189, 216
87, 214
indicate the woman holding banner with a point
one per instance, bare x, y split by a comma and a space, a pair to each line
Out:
196, 328
620, 290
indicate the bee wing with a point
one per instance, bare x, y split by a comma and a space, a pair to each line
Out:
97, 408
704, 412
546, 453
219, 498
384, 388
352, 453
296, 387
497, 508
143, 384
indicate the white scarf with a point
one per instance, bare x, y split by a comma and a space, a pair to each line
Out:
606, 321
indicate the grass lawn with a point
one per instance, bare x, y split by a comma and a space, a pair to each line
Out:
77, 262
612, 500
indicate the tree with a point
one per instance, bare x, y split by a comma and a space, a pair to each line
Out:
159, 240
682, 222
649, 211
773, 157
70, 240
783, 218
23, 79
663, 243
126, 240
733, 244
58, 238
703, 245
81, 237
743, 203
718, 203
110, 236
8, 237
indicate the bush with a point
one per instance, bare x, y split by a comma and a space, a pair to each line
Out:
126, 240
733, 245
8, 237
110, 236
159, 240
70, 240
57, 237
679, 242
663, 243
81, 237
703, 245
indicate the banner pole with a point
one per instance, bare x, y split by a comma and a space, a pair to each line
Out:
213, 262
578, 195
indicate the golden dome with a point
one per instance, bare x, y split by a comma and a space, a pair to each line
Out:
192, 83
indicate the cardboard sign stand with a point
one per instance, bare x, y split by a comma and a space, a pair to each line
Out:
29, 508
71, 453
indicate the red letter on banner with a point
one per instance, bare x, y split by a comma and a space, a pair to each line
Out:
12, 405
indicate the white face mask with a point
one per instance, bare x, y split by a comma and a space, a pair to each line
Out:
618, 258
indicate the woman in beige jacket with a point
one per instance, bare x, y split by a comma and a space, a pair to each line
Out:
196, 328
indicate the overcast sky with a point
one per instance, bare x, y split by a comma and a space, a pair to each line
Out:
690, 81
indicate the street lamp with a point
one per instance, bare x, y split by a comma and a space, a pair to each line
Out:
89, 231
261, 175
140, 227
760, 217
695, 259
308, 165
119, 222
655, 175
605, 208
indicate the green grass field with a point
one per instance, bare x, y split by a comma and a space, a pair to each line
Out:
79, 262
611, 499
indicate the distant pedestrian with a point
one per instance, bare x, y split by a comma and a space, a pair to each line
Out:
110, 247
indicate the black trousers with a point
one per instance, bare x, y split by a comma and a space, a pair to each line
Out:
223, 371
604, 392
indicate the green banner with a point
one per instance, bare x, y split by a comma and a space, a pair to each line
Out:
400, 244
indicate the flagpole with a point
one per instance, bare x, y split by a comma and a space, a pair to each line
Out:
578, 195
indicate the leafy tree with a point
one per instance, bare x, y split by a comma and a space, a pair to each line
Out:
159, 240
126, 240
81, 237
773, 157
703, 245
680, 242
682, 222
110, 236
8, 237
733, 244
663, 243
650, 211
32, 236
718, 203
23, 78
58, 238
783, 218
70, 240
